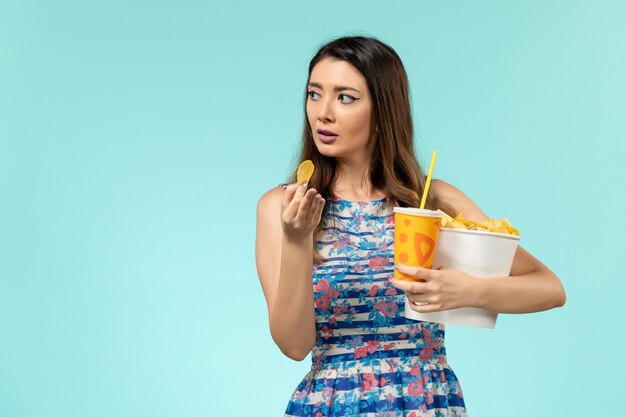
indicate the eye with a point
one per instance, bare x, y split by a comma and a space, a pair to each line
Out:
313, 95
346, 98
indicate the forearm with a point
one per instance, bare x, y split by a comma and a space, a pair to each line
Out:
292, 316
538, 290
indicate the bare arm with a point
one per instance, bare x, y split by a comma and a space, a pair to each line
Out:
531, 286
286, 220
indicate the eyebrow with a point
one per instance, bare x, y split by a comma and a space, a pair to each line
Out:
337, 88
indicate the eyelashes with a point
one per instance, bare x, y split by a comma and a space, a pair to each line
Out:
342, 98
313, 95
348, 97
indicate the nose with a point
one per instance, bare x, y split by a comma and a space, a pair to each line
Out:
325, 110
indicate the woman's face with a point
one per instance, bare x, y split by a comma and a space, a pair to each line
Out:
339, 110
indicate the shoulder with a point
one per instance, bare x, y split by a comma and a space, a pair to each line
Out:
447, 192
271, 199
457, 200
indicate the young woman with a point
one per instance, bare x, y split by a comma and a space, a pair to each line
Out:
324, 251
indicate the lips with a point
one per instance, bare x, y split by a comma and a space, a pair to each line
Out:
326, 136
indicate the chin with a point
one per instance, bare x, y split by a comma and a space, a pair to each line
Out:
327, 151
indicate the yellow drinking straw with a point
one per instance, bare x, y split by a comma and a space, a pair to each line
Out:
430, 175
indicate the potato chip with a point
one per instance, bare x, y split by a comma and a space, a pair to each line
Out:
490, 225
305, 171
457, 225
446, 219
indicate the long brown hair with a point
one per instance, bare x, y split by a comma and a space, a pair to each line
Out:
394, 168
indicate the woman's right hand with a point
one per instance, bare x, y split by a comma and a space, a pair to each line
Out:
301, 211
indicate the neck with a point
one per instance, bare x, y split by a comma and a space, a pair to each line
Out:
353, 181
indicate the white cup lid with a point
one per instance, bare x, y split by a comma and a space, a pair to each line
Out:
413, 211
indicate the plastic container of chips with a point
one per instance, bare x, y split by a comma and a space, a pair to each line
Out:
478, 253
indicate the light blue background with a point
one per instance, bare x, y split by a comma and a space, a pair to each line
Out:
136, 138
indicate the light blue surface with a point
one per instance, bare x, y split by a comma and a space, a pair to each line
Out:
136, 138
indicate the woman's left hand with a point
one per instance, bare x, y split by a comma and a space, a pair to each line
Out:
442, 289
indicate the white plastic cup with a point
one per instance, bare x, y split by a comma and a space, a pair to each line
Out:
478, 253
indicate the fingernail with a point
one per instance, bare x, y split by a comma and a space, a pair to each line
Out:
305, 184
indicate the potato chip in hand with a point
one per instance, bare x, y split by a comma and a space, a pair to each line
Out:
305, 171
